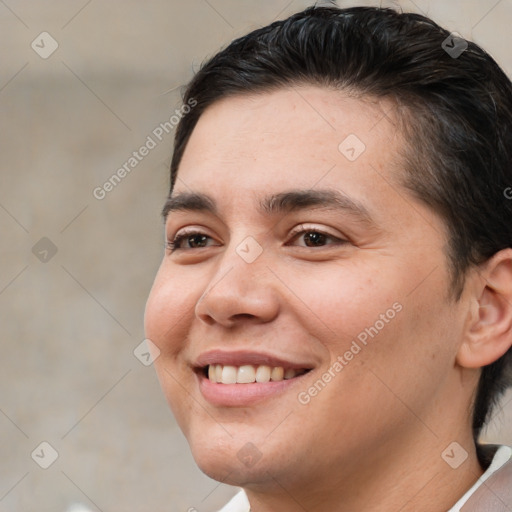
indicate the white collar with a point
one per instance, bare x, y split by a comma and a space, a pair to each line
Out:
502, 455
239, 503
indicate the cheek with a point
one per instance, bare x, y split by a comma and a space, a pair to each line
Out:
169, 309
162, 327
376, 323
345, 301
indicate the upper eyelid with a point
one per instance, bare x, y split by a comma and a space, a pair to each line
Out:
305, 227
297, 229
190, 231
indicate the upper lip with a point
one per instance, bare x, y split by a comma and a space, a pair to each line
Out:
243, 357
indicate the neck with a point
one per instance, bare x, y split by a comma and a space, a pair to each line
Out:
405, 478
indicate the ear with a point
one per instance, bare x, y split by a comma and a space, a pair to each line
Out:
488, 333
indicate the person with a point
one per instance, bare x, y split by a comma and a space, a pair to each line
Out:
332, 314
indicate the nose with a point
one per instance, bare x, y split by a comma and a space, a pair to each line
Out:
239, 291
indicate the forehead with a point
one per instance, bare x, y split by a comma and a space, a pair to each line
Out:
304, 137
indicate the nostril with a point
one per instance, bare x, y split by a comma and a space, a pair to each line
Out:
242, 316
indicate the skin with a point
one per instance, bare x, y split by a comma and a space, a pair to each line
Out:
372, 439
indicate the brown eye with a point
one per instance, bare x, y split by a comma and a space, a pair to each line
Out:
314, 238
195, 240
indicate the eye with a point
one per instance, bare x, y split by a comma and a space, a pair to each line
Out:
314, 237
195, 239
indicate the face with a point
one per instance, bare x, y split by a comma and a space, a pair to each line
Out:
348, 298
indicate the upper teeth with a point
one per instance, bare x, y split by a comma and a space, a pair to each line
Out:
249, 373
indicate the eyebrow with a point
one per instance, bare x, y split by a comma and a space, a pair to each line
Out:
275, 204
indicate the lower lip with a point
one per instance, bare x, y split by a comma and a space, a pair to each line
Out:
240, 395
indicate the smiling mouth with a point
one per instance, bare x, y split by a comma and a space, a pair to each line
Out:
249, 374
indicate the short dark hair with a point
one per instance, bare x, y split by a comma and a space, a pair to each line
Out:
456, 120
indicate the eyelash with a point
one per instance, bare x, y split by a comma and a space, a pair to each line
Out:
173, 245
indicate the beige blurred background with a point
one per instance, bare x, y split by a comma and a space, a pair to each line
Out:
75, 270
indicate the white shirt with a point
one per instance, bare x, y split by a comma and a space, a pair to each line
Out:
502, 455
240, 503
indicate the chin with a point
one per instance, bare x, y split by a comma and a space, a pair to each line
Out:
226, 469
223, 461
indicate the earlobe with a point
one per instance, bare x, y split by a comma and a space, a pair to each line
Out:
488, 332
